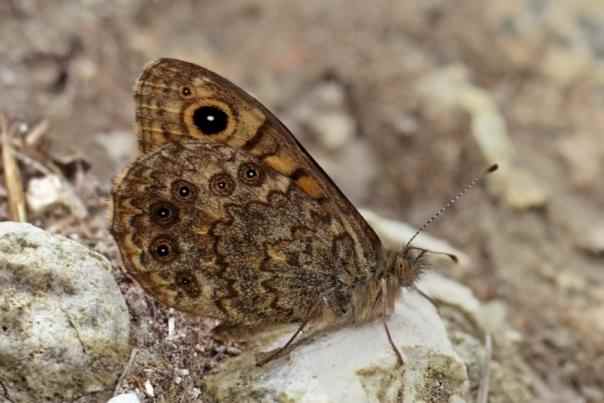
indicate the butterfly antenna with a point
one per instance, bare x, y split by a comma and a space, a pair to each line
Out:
450, 203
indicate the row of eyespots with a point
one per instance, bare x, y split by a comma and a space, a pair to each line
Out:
222, 184
165, 250
163, 213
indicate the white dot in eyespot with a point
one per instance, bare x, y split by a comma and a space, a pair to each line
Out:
211, 118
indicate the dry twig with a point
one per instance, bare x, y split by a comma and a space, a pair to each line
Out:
12, 176
35, 135
485, 373
126, 370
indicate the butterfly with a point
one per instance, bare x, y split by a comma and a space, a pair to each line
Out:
225, 215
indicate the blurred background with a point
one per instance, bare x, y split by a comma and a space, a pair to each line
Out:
402, 103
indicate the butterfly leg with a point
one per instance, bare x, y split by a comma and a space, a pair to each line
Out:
426, 296
399, 355
289, 342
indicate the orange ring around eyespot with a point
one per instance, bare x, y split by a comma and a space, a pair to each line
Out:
194, 131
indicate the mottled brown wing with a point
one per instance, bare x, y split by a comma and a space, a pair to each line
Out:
177, 100
209, 230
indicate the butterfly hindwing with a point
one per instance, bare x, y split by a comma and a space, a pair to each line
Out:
208, 230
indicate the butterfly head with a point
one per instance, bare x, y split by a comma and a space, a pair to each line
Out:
406, 266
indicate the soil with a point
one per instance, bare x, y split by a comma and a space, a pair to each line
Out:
389, 146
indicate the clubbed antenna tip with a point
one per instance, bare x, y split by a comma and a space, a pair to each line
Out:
453, 257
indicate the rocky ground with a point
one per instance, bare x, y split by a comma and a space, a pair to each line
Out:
401, 102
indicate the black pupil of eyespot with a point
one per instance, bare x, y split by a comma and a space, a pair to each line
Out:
186, 91
210, 119
221, 185
251, 173
164, 212
163, 250
184, 191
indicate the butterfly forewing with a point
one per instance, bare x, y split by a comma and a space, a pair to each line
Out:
177, 100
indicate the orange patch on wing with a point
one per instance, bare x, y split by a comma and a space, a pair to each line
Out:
310, 186
282, 164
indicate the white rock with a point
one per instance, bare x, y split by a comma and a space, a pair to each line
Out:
130, 397
353, 363
63, 324
48, 191
149, 391
454, 294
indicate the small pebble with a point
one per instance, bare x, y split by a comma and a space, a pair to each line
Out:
149, 389
129, 397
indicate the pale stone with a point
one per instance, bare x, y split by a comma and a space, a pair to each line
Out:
130, 397
356, 364
48, 191
63, 324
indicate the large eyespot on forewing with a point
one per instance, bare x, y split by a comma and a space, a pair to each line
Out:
210, 117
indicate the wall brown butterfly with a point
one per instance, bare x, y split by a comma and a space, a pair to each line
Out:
225, 215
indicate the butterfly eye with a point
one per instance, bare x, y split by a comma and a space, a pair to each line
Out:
163, 213
163, 249
222, 184
210, 119
251, 174
184, 191
186, 92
